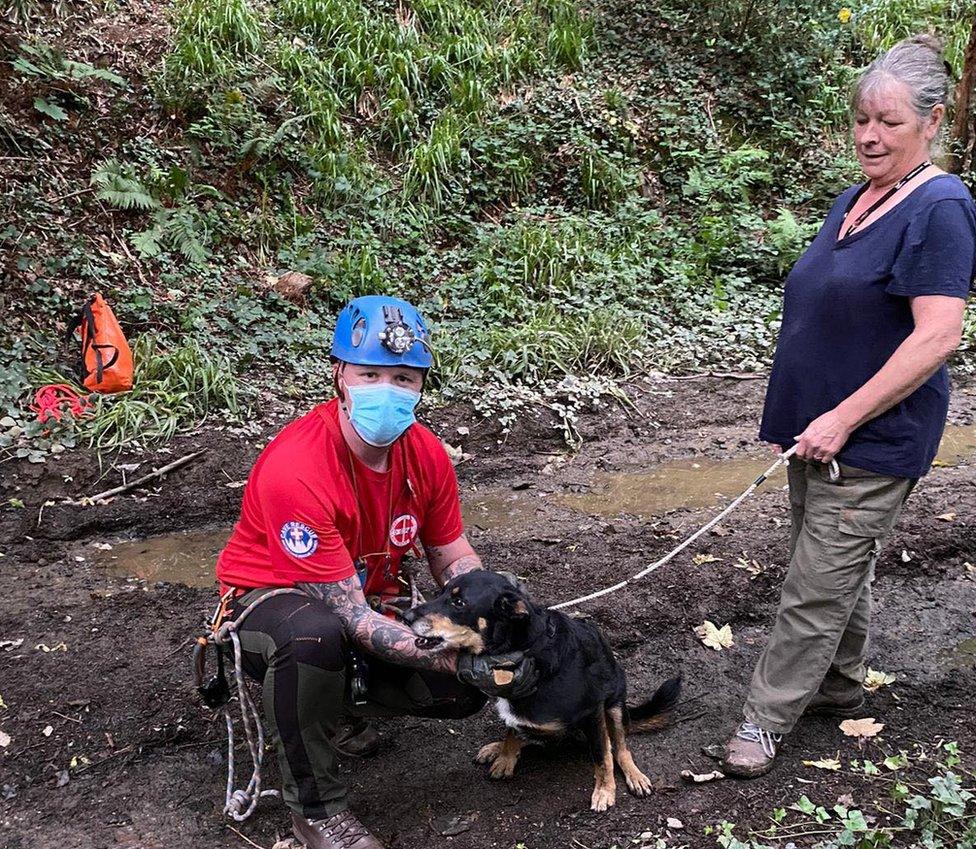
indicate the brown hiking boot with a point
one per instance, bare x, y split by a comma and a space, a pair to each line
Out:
750, 753
821, 705
356, 738
342, 831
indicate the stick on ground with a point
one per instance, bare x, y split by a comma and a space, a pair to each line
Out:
169, 467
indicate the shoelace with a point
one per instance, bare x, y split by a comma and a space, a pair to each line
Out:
752, 733
344, 828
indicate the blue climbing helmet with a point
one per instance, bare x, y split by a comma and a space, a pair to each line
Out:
376, 330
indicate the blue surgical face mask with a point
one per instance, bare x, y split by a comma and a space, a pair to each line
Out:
381, 413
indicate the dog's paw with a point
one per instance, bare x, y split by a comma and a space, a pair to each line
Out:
503, 767
638, 783
488, 753
604, 796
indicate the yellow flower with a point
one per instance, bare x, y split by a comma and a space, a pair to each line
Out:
844, 15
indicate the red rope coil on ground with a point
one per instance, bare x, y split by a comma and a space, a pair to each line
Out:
56, 399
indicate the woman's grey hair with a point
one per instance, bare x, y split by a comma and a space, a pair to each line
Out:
917, 62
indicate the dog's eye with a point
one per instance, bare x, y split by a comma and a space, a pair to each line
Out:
457, 601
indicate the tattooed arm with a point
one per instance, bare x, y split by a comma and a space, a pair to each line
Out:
374, 632
449, 561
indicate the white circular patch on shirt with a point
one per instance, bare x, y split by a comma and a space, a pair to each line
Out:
299, 539
403, 530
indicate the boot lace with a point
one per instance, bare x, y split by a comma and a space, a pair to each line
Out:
752, 733
343, 829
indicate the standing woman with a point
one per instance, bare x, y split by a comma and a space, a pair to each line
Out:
871, 312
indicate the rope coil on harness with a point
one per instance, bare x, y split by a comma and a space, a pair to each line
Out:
783, 458
240, 804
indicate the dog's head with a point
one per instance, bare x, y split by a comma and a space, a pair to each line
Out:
476, 612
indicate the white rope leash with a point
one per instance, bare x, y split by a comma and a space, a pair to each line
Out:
783, 458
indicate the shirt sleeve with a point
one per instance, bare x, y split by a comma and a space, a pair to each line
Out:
442, 519
303, 540
938, 255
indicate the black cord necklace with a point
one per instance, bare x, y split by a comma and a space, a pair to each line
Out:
911, 175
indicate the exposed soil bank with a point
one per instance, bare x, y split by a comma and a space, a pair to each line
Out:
150, 762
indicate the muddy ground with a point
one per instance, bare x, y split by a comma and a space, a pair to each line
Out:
133, 760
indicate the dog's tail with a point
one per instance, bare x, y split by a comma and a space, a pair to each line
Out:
656, 711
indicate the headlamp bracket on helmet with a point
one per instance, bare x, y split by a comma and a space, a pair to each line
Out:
398, 337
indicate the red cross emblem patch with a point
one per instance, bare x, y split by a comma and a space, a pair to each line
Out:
403, 530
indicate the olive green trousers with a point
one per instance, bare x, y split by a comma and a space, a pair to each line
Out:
820, 638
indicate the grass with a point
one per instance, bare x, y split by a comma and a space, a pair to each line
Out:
173, 391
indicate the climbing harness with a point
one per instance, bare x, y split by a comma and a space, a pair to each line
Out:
783, 458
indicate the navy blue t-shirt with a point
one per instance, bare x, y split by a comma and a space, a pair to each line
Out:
846, 309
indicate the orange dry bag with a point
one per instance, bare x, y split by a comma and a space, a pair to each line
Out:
106, 361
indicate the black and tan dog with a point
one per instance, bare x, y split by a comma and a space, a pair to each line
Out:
581, 686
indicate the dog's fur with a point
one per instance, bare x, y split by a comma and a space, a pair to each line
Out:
581, 686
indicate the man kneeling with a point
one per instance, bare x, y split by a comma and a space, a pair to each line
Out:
331, 507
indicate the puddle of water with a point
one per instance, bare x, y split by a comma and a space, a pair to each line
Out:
961, 656
958, 443
507, 510
686, 483
187, 557
681, 484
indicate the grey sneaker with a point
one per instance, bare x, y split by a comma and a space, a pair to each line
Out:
342, 831
751, 751
821, 705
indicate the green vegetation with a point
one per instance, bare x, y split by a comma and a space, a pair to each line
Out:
928, 800
575, 193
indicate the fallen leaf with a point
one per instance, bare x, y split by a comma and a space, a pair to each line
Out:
453, 826
676, 824
861, 727
701, 778
938, 464
824, 763
701, 559
48, 730
63, 777
905, 556
235, 484
947, 517
719, 531
4, 740
876, 679
102, 546
847, 800
46, 648
713, 637
751, 566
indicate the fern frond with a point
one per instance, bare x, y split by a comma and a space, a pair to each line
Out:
118, 185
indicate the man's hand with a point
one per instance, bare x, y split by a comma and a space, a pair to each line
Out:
823, 438
505, 676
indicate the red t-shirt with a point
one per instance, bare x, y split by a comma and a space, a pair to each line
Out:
302, 520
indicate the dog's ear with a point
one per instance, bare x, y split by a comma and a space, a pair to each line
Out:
510, 605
